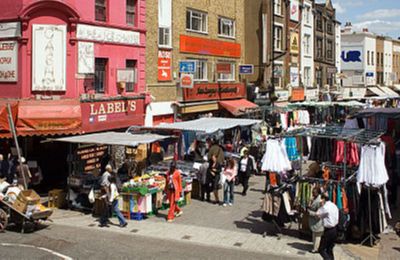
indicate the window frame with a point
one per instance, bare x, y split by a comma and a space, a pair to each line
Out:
307, 44
278, 39
220, 27
104, 6
190, 12
307, 76
329, 51
319, 23
204, 69
169, 45
278, 7
104, 76
129, 13
307, 14
134, 67
319, 54
232, 74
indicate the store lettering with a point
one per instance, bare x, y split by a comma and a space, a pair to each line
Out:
112, 107
229, 90
7, 46
206, 91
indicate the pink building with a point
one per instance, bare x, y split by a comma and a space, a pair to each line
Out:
72, 66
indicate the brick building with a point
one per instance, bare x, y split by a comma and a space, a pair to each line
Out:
396, 62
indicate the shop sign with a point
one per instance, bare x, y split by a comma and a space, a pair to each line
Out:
186, 80
294, 76
282, 95
278, 71
91, 157
49, 57
246, 69
164, 65
85, 57
294, 10
214, 91
8, 61
297, 94
187, 66
352, 58
369, 74
10, 30
112, 114
294, 42
105, 34
202, 46
224, 68
311, 94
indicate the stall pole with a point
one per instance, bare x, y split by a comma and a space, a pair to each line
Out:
14, 133
345, 160
371, 236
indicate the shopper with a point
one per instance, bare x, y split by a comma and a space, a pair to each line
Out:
230, 173
214, 176
23, 173
104, 206
105, 178
329, 213
315, 223
113, 199
202, 178
246, 167
216, 150
173, 190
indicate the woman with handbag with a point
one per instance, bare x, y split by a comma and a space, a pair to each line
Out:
230, 173
213, 177
246, 168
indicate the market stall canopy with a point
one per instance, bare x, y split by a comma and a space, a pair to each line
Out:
377, 91
49, 117
208, 124
237, 107
389, 92
5, 131
396, 87
328, 103
114, 138
384, 112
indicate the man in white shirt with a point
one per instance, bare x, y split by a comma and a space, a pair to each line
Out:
329, 213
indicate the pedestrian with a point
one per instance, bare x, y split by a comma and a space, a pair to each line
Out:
113, 199
173, 190
105, 177
329, 213
315, 223
230, 173
246, 167
216, 150
202, 178
213, 177
23, 173
104, 209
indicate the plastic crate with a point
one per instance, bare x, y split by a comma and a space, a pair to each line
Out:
137, 216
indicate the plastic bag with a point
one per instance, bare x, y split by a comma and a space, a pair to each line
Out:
91, 196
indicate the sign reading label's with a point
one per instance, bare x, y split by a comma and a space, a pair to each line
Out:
9, 61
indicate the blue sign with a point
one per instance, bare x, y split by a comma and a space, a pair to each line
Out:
369, 74
246, 69
353, 56
187, 66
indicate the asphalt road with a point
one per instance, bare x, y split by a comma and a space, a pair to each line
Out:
59, 242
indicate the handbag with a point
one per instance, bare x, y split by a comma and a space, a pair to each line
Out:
91, 196
222, 179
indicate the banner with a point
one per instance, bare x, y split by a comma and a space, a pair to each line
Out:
294, 10
294, 42
164, 65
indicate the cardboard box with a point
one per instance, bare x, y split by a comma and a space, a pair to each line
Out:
30, 197
20, 206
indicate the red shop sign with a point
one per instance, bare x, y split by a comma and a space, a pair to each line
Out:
112, 114
224, 68
214, 91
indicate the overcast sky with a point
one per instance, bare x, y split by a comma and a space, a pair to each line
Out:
379, 16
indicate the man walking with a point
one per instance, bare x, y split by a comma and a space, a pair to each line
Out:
329, 213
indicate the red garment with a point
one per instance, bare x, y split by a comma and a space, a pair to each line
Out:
352, 157
173, 205
389, 142
177, 181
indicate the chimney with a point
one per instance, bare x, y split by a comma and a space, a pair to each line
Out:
347, 28
365, 30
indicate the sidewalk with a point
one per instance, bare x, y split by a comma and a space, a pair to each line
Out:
239, 227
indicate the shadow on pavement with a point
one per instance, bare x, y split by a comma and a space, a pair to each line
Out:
300, 246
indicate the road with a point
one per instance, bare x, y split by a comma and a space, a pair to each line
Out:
61, 242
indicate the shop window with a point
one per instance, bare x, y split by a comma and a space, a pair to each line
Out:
101, 10
201, 70
278, 37
130, 87
130, 12
100, 75
307, 76
278, 7
228, 76
196, 21
226, 27
164, 37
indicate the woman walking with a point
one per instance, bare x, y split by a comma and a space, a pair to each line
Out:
213, 177
315, 223
230, 173
246, 167
173, 190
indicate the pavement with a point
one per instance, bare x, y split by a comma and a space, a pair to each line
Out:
237, 227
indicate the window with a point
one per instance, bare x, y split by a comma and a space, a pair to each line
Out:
130, 12
307, 11
329, 28
201, 70
130, 64
377, 58
319, 23
196, 21
278, 38
368, 57
318, 74
227, 76
319, 48
329, 50
381, 59
372, 58
226, 27
278, 7
100, 75
100, 10
278, 75
307, 41
164, 37
307, 76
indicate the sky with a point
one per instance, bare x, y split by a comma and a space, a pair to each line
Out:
379, 16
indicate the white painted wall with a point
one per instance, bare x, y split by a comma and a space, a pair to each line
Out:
387, 62
307, 60
369, 45
338, 52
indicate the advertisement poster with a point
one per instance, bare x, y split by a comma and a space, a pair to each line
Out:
164, 65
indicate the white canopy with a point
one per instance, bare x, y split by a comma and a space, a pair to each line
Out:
208, 124
114, 138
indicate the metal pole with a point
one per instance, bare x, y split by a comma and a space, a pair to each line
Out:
14, 133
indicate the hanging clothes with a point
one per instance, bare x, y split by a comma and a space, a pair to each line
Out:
291, 148
372, 168
352, 157
321, 149
275, 158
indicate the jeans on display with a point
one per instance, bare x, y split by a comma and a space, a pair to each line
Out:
228, 191
116, 210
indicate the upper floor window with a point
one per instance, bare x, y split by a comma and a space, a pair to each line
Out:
164, 37
329, 50
201, 70
307, 42
307, 14
131, 65
319, 23
372, 58
329, 28
100, 73
101, 10
368, 57
130, 12
196, 21
228, 76
278, 37
319, 48
226, 27
278, 7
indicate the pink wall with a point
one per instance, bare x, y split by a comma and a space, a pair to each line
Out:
60, 12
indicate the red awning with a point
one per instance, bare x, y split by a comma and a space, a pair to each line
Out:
237, 107
5, 131
49, 117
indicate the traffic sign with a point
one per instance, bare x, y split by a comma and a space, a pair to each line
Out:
246, 69
187, 66
186, 80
